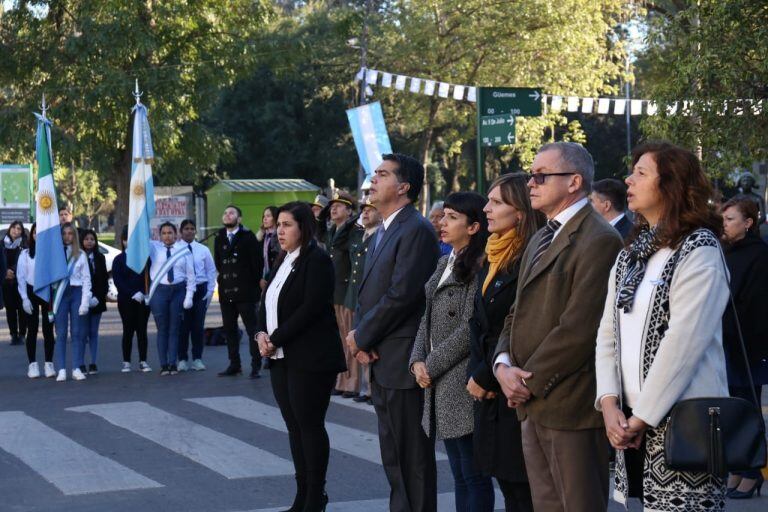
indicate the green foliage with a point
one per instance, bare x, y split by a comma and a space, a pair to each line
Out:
82, 190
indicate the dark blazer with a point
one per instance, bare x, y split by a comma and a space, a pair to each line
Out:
337, 245
624, 226
552, 328
127, 282
240, 266
273, 251
99, 280
497, 439
358, 249
307, 330
390, 299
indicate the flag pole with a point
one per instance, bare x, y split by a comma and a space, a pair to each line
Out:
43, 111
137, 94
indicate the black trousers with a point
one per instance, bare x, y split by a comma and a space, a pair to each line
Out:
303, 398
407, 453
33, 322
247, 312
517, 496
134, 316
14, 313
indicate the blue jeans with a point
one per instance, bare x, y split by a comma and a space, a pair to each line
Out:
91, 323
68, 312
474, 492
194, 324
167, 305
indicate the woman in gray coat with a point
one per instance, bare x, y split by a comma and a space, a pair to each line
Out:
441, 350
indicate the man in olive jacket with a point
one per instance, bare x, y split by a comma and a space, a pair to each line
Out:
545, 359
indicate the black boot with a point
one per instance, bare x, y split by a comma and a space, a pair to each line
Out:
231, 371
317, 500
15, 339
301, 496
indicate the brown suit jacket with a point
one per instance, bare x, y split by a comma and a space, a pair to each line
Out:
552, 328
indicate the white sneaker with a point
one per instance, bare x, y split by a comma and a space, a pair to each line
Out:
143, 366
62, 376
198, 365
49, 371
34, 371
183, 366
77, 374
126, 367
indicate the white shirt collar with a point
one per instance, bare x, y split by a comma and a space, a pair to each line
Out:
391, 217
233, 231
291, 256
564, 216
617, 218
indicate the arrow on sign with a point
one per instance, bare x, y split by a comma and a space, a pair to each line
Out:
511, 120
535, 95
510, 138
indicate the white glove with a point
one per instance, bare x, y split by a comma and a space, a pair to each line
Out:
138, 297
83, 309
188, 303
93, 302
27, 305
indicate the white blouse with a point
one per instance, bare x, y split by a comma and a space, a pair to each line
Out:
632, 325
273, 295
25, 273
81, 274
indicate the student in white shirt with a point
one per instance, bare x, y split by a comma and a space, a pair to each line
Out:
97, 266
73, 307
33, 307
205, 282
172, 295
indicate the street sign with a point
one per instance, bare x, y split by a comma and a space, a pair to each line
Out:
497, 130
518, 101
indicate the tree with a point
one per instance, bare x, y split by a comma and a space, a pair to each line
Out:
83, 192
85, 56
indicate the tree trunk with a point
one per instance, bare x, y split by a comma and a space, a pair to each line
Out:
426, 141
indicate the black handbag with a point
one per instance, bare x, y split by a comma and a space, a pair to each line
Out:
717, 435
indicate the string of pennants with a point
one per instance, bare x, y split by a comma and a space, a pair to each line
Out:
554, 103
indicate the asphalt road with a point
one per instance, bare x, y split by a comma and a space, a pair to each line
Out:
193, 442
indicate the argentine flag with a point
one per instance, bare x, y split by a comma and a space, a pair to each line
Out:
51, 262
142, 202
370, 134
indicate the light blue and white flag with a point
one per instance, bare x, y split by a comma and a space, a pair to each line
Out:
141, 207
371, 138
51, 261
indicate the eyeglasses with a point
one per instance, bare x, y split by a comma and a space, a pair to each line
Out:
540, 177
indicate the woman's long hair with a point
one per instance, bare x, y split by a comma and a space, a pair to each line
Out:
23, 235
261, 233
514, 192
470, 259
685, 194
32, 243
75, 240
90, 232
302, 214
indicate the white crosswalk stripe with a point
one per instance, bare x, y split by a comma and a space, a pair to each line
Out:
71, 467
218, 452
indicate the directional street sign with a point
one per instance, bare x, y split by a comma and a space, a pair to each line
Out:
497, 130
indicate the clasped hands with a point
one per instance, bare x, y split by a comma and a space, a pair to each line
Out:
622, 433
512, 380
361, 356
266, 348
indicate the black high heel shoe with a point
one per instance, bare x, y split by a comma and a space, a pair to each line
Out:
745, 495
318, 506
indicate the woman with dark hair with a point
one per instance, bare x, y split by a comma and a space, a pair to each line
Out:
440, 352
498, 449
13, 243
746, 256
297, 330
134, 312
97, 266
660, 338
267, 238
34, 306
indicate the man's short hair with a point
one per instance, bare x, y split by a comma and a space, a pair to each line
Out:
613, 190
238, 210
64, 209
574, 158
437, 205
410, 171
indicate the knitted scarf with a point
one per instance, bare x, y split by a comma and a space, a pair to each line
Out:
645, 245
500, 250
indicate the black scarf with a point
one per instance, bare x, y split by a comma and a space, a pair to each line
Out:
645, 245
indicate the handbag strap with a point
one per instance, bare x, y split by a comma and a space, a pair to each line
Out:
741, 337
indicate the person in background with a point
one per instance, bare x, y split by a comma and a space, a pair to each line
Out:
609, 199
320, 211
498, 447
34, 307
359, 242
660, 337
172, 295
746, 256
297, 329
73, 307
267, 238
435, 218
343, 224
240, 266
97, 267
134, 312
205, 282
13, 243
441, 350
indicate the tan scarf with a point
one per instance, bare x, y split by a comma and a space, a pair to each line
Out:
500, 250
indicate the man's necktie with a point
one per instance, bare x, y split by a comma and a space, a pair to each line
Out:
379, 236
546, 240
170, 272
230, 236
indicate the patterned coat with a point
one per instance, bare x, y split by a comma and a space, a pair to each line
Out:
446, 324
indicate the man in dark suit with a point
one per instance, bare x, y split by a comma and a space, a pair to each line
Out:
240, 265
545, 359
402, 257
609, 199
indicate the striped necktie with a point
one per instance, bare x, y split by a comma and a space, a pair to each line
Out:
546, 240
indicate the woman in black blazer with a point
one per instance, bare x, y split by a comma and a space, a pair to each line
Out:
298, 331
497, 440
97, 265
